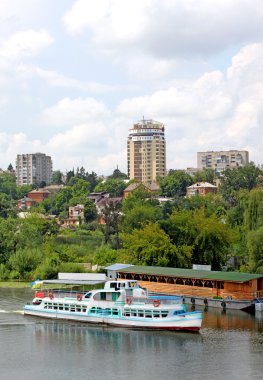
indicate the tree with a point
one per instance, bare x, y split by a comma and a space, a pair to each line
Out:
57, 177
25, 261
255, 250
175, 184
8, 238
113, 186
243, 177
150, 246
253, 214
10, 168
213, 240
8, 184
205, 175
112, 216
139, 216
118, 174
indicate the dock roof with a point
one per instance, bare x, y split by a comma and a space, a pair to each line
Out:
191, 273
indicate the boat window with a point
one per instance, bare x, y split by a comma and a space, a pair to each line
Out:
55, 306
140, 313
78, 308
148, 313
88, 295
60, 306
72, 308
177, 312
133, 313
114, 285
84, 309
164, 313
103, 296
66, 307
92, 310
115, 312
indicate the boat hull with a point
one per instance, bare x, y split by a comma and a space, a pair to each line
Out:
189, 322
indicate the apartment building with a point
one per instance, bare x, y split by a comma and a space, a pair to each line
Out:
33, 169
146, 151
221, 160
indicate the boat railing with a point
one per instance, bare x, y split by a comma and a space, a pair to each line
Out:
153, 300
58, 293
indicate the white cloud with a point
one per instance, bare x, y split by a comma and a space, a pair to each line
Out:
76, 111
168, 28
56, 79
24, 44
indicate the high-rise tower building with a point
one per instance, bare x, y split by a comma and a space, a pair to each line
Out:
146, 151
33, 168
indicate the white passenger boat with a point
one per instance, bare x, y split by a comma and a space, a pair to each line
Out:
119, 303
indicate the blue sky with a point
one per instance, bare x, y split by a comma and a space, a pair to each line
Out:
75, 76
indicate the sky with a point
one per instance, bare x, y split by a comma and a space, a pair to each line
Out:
75, 75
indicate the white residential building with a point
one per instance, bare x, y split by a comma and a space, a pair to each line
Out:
222, 160
33, 169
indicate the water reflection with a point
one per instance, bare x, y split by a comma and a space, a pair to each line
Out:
231, 320
120, 340
230, 344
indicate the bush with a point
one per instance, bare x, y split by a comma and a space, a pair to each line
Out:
4, 272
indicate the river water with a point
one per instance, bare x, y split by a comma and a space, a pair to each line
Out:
229, 346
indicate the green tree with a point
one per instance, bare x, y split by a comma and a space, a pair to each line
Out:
105, 255
205, 175
22, 191
25, 261
244, 177
57, 176
8, 238
118, 174
255, 250
213, 240
8, 184
175, 184
253, 214
112, 217
112, 186
150, 246
139, 216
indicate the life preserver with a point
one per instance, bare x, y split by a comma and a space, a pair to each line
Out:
51, 295
156, 303
79, 297
128, 300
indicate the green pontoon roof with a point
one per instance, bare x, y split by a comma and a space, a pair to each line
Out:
191, 273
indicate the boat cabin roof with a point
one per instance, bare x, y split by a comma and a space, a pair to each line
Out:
124, 284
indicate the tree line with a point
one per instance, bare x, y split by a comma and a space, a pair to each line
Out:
224, 230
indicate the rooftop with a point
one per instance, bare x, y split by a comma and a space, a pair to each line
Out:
192, 273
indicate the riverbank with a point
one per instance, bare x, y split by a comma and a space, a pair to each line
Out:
14, 284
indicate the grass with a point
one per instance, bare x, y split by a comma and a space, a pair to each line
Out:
14, 284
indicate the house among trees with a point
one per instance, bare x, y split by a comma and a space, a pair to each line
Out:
201, 188
25, 203
152, 188
75, 216
39, 195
